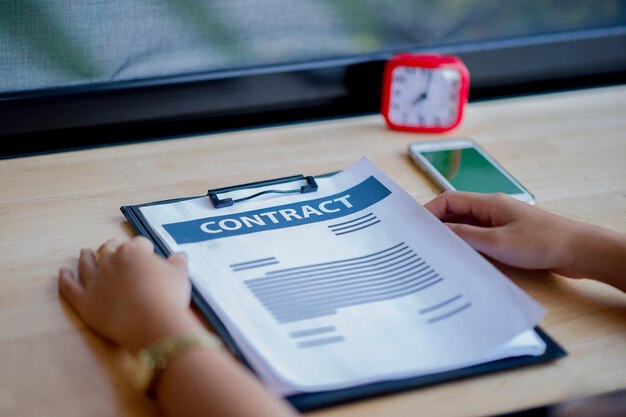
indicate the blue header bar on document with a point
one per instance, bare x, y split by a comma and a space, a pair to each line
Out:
353, 200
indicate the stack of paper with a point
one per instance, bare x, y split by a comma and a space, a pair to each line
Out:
351, 284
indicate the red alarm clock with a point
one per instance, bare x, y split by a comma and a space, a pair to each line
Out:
424, 92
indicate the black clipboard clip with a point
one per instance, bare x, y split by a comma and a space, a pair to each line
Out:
310, 187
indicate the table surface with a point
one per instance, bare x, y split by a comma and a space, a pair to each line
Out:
569, 149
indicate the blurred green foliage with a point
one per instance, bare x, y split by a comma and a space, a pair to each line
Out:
56, 43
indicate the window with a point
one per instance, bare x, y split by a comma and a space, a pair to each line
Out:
141, 68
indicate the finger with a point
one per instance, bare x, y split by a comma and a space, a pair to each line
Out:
457, 204
142, 243
107, 249
179, 261
71, 291
87, 266
483, 239
111, 243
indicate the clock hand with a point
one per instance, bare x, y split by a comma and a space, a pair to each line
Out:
424, 94
421, 97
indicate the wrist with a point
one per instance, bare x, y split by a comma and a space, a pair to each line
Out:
157, 327
156, 358
573, 262
599, 254
607, 257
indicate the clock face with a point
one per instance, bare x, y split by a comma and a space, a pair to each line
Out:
424, 97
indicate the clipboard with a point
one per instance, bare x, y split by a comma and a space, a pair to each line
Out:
320, 399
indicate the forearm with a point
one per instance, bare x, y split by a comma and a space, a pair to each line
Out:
203, 382
210, 383
600, 254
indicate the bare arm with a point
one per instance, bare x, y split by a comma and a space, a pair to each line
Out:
526, 237
135, 298
600, 254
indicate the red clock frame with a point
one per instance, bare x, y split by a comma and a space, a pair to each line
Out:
428, 61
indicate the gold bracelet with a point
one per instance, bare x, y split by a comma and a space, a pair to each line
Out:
155, 358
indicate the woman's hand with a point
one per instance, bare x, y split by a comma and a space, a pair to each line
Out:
130, 295
512, 232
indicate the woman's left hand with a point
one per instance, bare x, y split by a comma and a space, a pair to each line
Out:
128, 294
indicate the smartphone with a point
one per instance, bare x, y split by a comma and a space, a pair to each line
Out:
461, 164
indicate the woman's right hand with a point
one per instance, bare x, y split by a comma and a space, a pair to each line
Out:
512, 232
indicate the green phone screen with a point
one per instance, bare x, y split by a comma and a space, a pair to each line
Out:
467, 170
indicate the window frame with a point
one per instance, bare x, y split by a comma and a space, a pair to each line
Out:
157, 108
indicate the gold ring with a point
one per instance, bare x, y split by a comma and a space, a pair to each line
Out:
102, 251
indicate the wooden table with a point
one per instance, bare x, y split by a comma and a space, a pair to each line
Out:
569, 149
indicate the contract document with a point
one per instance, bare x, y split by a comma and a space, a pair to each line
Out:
351, 284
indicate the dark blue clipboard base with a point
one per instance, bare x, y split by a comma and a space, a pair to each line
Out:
310, 401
